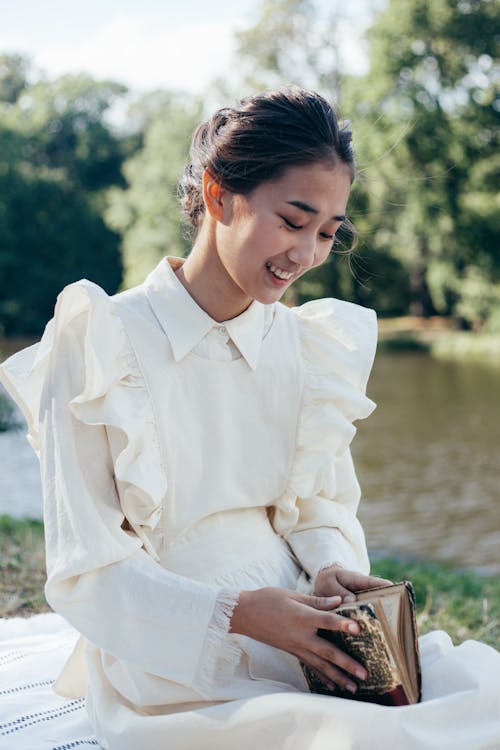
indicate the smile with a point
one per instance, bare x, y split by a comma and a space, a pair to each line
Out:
278, 272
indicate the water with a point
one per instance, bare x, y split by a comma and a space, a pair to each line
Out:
427, 461
20, 487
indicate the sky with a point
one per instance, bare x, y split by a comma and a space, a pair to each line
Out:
145, 44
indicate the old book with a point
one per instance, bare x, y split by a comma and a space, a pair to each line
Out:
386, 646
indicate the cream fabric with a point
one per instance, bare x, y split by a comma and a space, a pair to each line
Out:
182, 461
459, 712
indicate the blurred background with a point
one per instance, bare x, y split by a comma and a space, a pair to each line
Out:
98, 101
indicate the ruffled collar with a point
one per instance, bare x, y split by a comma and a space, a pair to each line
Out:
186, 323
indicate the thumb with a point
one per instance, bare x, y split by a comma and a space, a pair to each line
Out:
323, 602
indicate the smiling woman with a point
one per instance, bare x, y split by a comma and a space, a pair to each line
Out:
253, 246
266, 190
200, 496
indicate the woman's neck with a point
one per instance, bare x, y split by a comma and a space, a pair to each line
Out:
208, 282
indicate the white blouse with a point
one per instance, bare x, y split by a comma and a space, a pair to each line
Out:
183, 460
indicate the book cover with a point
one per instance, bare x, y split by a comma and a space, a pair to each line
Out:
386, 646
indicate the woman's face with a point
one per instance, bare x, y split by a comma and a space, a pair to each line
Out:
269, 238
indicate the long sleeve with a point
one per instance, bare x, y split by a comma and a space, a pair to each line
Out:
72, 390
318, 546
317, 513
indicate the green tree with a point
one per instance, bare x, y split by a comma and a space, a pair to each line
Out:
293, 41
57, 157
13, 77
428, 134
147, 213
50, 235
62, 127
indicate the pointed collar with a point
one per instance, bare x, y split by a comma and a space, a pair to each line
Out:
186, 324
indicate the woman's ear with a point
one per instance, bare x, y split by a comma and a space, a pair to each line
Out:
214, 196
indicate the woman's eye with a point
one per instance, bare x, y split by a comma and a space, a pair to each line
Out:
290, 224
325, 236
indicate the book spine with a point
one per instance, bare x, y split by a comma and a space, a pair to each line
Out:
394, 697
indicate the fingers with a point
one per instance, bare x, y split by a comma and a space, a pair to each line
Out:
353, 581
332, 677
379, 581
323, 602
317, 602
337, 580
323, 677
326, 619
346, 594
335, 667
331, 663
332, 621
331, 655
375, 581
308, 614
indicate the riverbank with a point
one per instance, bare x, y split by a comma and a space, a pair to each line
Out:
463, 603
439, 337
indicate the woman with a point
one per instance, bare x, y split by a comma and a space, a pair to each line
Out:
200, 496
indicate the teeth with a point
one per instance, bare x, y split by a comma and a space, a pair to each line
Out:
285, 275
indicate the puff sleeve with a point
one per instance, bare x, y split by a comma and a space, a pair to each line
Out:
81, 380
317, 513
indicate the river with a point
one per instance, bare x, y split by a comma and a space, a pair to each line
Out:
427, 460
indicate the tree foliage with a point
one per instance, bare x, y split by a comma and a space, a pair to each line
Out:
50, 235
57, 157
77, 200
428, 113
13, 75
425, 122
292, 41
146, 213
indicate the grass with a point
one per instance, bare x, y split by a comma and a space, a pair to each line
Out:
463, 603
22, 568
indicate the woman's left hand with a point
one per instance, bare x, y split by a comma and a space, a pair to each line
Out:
337, 581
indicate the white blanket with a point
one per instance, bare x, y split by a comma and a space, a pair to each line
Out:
32, 716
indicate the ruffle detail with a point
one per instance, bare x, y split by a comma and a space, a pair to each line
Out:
114, 395
221, 653
337, 343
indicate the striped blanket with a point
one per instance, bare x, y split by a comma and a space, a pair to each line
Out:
32, 716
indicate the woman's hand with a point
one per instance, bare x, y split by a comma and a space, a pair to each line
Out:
337, 581
289, 621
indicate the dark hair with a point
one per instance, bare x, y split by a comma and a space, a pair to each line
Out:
258, 140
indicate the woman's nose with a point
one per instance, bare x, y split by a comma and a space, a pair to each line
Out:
303, 250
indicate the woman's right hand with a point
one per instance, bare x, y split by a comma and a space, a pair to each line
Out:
289, 620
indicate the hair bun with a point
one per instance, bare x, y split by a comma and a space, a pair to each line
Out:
257, 141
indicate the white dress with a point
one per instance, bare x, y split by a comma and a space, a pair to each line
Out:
183, 461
